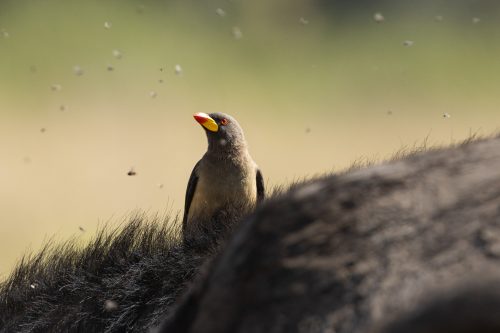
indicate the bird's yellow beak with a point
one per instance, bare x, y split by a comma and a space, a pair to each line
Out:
206, 121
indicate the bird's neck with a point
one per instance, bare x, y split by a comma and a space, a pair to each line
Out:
223, 148
227, 152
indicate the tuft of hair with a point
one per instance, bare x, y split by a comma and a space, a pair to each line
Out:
125, 279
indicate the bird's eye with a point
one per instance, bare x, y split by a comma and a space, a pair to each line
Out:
224, 122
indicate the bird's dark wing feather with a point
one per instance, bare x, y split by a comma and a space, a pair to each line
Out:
260, 186
191, 187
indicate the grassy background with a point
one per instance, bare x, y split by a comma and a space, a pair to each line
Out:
312, 98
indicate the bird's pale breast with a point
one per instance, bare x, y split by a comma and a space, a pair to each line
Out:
218, 186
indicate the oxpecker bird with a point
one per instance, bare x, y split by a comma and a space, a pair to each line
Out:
225, 176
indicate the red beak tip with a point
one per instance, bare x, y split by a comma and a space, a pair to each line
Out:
200, 118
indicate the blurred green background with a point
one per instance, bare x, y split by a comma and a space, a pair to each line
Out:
90, 89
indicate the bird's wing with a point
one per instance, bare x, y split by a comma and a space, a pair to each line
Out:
260, 186
191, 187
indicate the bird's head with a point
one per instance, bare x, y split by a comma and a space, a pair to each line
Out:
223, 131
